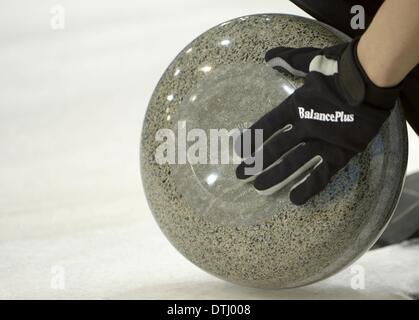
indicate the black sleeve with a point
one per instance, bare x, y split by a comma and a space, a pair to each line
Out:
337, 13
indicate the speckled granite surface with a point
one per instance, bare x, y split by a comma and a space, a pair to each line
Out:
225, 227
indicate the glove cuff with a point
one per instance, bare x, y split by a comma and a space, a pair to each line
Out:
359, 87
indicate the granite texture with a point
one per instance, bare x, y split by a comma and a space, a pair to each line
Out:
225, 227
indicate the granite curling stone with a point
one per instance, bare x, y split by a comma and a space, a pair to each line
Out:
223, 226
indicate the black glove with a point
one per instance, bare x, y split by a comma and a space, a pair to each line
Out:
409, 97
337, 13
322, 125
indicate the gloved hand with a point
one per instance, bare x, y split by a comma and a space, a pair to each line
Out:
337, 13
322, 125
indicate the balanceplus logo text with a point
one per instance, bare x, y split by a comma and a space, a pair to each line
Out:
338, 116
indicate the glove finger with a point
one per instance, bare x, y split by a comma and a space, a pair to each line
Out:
267, 156
275, 122
292, 166
333, 160
293, 60
312, 184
